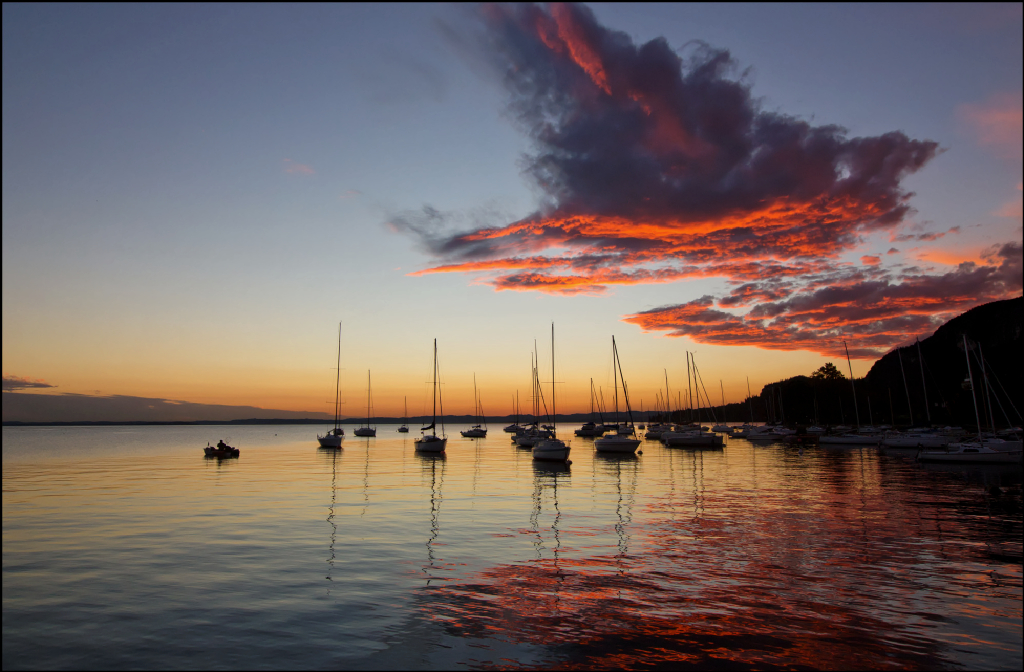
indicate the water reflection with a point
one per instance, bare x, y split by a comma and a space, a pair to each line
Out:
332, 455
435, 466
748, 557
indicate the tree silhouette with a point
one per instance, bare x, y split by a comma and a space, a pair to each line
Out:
828, 372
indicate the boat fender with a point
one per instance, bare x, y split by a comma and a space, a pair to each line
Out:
639, 452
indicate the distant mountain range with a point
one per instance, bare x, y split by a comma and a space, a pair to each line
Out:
27, 408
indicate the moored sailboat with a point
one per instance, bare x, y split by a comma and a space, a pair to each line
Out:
477, 431
367, 430
333, 437
432, 443
404, 429
552, 448
624, 439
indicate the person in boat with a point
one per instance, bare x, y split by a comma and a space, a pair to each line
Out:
222, 445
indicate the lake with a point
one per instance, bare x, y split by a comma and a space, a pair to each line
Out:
124, 547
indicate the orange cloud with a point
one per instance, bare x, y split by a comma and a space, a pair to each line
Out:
657, 168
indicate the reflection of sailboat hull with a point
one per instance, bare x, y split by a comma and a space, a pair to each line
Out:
329, 441
970, 452
431, 444
696, 440
365, 431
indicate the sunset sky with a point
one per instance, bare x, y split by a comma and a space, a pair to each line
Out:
195, 195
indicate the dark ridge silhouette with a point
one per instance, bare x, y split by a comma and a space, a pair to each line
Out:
882, 396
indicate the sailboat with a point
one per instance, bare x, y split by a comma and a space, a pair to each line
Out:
973, 451
404, 429
592, 428
478, 431
690, 436
535, 433
432, 443
552, 448
514, 428
722, 426
851, 438
624, 439
333, 438
366, 430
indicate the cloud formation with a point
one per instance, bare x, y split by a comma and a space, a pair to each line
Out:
12, 383
297, 168
865, 307
998, 123
656, 166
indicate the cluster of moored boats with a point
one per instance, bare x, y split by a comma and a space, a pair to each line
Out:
949, 444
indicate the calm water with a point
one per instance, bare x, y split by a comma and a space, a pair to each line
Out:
124, 547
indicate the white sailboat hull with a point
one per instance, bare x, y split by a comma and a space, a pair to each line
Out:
551, 449
475, 433
431, 444
365, 431
616, 443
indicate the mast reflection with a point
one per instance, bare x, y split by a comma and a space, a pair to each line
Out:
332, 455
430, 463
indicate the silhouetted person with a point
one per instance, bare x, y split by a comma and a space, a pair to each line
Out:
221, 444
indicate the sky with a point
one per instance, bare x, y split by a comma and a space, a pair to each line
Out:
194, 196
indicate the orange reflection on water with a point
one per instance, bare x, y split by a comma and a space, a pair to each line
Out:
804, 573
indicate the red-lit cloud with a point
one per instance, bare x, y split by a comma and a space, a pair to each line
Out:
868, 309
657, 167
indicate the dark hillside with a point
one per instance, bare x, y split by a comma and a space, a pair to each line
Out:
881, 395
996, 327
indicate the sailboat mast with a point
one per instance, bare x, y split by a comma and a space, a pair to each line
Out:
722, 385
905, 388
668, 397
988, 398
367, 398
615, 380
850, 364
924, 387
625, 390
970, 377
337, 382
554, 415
750, 403
892, 413
689, 387
433, 419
